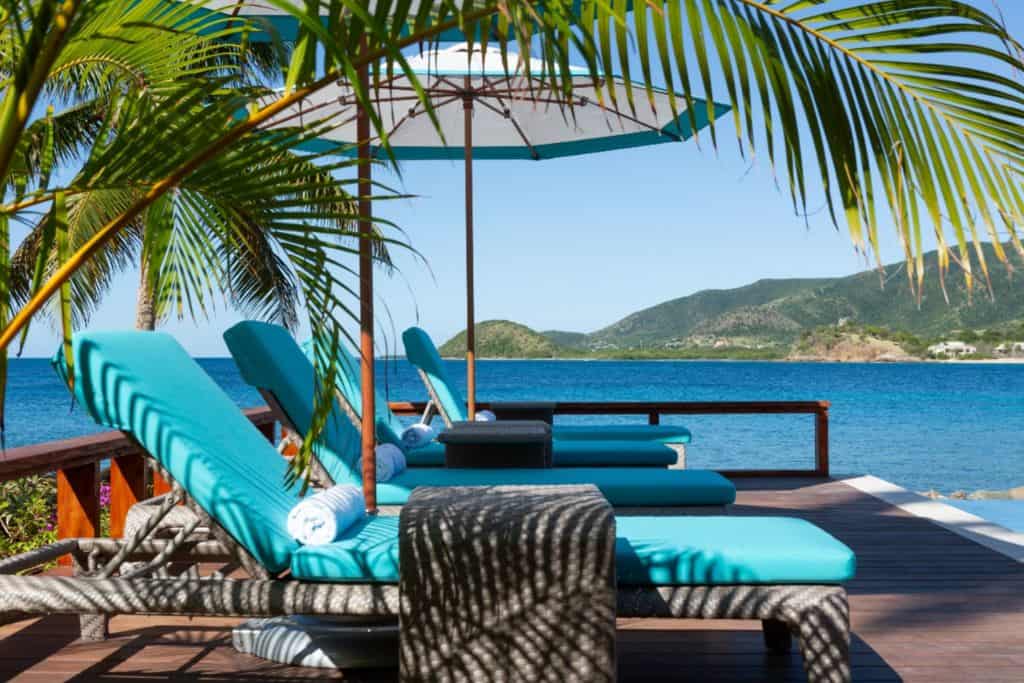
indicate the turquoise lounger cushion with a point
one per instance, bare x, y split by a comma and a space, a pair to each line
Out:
421, 352
573, 454
430, 455
389, 428
145, 384
721, 550
269, 359
622, 486
674, 434
367, 553
649, 551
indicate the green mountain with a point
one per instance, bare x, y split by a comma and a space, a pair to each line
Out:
770, 317
778, 311
502, 339
569, 340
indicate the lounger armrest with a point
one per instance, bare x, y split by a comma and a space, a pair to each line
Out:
543, 411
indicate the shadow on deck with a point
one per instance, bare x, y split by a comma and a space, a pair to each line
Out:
927, 605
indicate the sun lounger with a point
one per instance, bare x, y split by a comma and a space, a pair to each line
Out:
446, 399
785, 572
604, 450
270, 360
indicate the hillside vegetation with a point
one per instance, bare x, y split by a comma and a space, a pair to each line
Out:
779, 311
503, 339
847, 318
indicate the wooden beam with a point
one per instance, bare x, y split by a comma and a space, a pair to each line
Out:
760, 474
83, 450
78, 503
160, 485
127, 487
821, 442
653, 410
662, 408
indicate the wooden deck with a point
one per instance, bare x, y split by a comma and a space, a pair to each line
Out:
927, 605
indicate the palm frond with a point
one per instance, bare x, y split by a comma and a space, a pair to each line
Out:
901, 111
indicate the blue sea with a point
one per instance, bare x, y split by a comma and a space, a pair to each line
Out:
924, 425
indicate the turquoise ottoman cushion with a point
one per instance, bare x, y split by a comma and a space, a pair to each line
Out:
574, 454
368, 553
665, 551
621, 486
649, 551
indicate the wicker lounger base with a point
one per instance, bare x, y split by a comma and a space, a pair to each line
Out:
818, 615
192, 597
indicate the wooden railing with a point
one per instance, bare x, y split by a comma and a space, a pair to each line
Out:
77, 461
77, 464
655, 410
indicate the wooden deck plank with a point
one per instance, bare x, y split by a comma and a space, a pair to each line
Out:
927, 605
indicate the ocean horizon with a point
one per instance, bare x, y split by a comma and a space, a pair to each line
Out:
925, 426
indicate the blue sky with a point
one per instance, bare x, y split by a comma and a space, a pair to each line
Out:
576, 243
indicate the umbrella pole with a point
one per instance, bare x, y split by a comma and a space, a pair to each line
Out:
369, 412
467, 106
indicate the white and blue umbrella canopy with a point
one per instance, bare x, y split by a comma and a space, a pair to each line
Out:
513, 116
487, 107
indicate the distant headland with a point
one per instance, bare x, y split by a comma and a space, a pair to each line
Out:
870, 316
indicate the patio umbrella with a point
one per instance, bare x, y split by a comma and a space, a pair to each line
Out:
277, 22
496, 115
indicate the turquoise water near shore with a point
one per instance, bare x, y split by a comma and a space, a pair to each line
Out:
923, 425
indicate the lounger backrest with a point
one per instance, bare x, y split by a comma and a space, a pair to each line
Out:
145, 384
389, 427
271, 360
422, 353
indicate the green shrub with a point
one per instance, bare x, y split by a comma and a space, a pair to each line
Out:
28, 514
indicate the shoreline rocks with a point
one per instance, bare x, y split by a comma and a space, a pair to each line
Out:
982, 494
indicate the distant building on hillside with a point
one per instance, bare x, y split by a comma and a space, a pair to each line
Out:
952, 348
1002, 349
1018, 347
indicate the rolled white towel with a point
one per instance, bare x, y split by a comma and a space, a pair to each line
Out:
389, 459
393, 454
485, 416
417, 435
322, 518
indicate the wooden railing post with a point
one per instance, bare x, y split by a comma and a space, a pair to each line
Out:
78, 502
654, 418
821, 441
127, 487
160, 485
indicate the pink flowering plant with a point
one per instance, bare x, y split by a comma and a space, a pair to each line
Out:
28, 513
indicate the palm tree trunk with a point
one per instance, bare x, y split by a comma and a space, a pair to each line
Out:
145, 313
